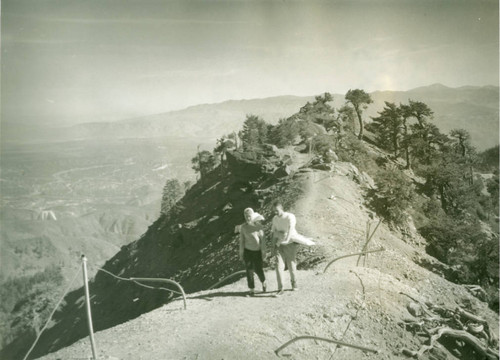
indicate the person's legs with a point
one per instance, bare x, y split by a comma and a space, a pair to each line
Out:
290, 254
258, 268
280, 267
247, 257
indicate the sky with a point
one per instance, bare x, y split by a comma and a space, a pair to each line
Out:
71, 61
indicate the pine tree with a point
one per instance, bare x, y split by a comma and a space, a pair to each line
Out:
203, 163
388, 127
172, 192
285, 133
254, 133
359, 100
319, 112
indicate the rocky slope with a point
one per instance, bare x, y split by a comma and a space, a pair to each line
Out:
196, 246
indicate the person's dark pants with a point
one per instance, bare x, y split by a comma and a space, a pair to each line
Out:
253, 262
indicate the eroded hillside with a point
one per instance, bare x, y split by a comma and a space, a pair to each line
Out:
196, 246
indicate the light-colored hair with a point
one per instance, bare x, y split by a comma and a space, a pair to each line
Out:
248, 211
277, 203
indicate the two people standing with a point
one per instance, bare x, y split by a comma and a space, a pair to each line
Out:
285, 240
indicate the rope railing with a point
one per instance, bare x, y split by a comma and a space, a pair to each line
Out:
157, 288
349, 227
134, 280
355, 254
52, 314
226, 278
138, 283
168, 281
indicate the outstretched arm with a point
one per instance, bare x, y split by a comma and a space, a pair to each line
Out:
263, 246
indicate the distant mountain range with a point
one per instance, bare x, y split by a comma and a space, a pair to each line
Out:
473, 108
205, 121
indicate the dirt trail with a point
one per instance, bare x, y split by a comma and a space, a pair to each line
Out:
358, 305
226, 324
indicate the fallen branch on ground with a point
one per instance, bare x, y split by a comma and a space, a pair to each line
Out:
362, 348
470, 316
459, 325
344, 256
462, 335
424, 307
477, 291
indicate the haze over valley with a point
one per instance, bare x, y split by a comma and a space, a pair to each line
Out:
64, 199
92, 187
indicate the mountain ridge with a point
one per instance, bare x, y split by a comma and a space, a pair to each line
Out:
475, 108
479, 114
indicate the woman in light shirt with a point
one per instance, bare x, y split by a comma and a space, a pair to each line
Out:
285, 239
252, 248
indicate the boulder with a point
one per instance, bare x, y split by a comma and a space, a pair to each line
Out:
282, 171
287, 160
367, 180
322, 166
331, 155
300, 148
244, 165
414, 309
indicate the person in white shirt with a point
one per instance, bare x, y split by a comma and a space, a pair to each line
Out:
253, 248
285, 239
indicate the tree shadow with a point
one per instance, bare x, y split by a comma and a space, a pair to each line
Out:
460, 350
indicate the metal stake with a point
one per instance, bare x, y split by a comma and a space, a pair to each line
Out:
87, 301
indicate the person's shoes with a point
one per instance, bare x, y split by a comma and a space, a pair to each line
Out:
251, 292
294, 286
264, 287
280, 292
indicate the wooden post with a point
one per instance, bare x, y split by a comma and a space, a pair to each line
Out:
87, 301
365, 247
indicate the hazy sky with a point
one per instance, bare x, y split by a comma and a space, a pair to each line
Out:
93, 60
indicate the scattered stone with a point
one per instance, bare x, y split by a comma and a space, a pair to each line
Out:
332, 155
301, 148
322, 166
282, 171
287, 160
414, 309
